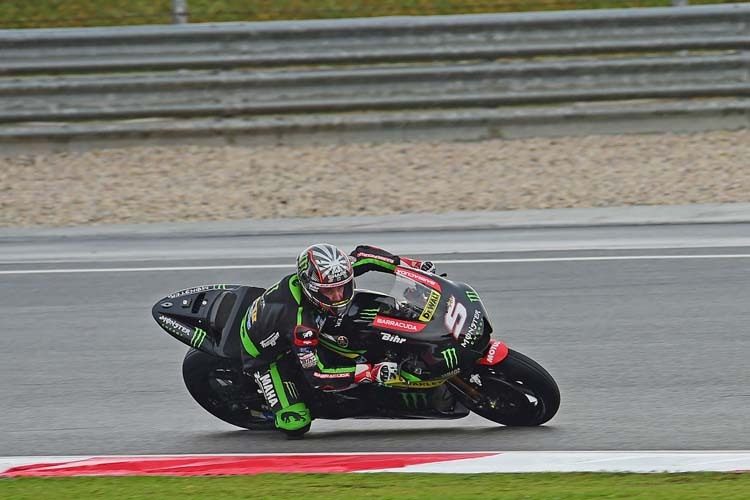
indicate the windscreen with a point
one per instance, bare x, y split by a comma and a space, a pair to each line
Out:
413, 301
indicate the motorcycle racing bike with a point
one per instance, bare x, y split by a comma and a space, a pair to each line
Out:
424, 318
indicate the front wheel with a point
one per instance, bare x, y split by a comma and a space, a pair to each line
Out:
224, 392
515, 392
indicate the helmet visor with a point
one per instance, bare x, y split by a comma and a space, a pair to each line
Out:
336, 296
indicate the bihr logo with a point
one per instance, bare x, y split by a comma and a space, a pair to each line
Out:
392, 338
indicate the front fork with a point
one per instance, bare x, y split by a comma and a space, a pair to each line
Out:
495, 353
464, 388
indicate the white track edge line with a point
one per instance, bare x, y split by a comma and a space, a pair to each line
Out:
496, 462
466, 261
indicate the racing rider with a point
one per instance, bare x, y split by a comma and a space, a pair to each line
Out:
284, 322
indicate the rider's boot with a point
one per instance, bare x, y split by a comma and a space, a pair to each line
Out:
291, 414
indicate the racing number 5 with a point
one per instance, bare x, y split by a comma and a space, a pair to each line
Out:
455, 316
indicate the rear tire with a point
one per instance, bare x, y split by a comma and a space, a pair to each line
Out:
224, 392
518, 391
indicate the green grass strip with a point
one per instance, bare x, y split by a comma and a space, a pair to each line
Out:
58, 13
388, 486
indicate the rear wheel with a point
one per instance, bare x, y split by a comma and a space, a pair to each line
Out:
515, 392
224, 392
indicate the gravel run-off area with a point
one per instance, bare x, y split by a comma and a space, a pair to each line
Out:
192, 183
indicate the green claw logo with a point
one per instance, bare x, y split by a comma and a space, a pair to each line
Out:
414, 400
450, 357
303, 263
472, 296
291, 389
198, 336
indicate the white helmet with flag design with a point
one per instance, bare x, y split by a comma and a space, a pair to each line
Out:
326, 277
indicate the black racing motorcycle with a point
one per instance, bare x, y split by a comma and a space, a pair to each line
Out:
425, 318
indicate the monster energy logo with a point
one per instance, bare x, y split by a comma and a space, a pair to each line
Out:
368, 313
303, 262
198, 336
414, 400
291, 389
450, 357
472, 296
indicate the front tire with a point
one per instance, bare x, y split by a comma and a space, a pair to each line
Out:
224, 392
518, 391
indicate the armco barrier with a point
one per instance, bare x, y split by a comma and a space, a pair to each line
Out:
382, 78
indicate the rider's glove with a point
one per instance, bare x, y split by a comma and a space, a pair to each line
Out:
384, 373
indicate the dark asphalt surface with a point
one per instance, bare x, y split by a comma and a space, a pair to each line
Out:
649, 354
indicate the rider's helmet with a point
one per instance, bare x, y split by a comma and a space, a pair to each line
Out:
326, 277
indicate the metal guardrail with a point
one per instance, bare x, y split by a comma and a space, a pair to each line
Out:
326, 73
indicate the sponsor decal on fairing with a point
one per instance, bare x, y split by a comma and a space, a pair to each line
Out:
496, 353
202, 288
430, 306
450, 357
175, 326
398, 325
474, 329
418, 277
392, 338
199, 335
415, 400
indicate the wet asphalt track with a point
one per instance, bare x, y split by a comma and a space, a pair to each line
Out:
649, 353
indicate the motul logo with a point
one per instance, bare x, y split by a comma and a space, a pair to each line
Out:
491, 353
496, 353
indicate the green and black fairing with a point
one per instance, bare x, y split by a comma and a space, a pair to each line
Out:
218, 310
377, 323
205, 317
